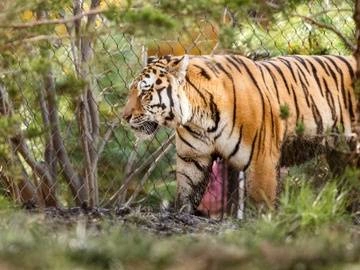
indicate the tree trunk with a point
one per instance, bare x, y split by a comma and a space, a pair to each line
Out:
88, 115
357, 56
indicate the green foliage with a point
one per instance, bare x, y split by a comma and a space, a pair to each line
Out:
288, 33
33, 132
300, 128
307, 209
70, 85
284, 111
228, 36
6, 205
9, 126
142, 20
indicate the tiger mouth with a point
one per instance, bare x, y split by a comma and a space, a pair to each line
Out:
147, 128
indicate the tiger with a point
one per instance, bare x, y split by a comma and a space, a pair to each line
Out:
231, 106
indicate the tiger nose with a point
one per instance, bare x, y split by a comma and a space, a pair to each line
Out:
126, 116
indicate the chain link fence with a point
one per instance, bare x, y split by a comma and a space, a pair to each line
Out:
62, 139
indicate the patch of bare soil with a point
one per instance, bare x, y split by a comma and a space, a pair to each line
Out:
164, 222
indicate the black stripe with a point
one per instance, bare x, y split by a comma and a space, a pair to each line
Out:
296, 104
181, 110
177, 61
190, 181
193, 133
271, 112
272, 119
236, 148
158, 91
341, 80
350, 68
288, 65
273, 78
233, 63
330, 100
234, 94
170, 117
212, 67
332, 72
321, 63
224, 70
196, 89
317, 117
278, 69
162, 106
203, 72
351, 107
314, 72
262, 126
215, 114
168, 92
251, 153
185, 141
217, 136
305, 90
300, 69
341, 113
301, 61
193, 161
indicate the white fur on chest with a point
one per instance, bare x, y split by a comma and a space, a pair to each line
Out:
225, 146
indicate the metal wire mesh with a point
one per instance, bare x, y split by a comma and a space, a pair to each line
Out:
54, 89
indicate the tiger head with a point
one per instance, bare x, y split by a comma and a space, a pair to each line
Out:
154, 97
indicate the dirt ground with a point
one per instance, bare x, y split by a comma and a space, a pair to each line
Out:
164, 222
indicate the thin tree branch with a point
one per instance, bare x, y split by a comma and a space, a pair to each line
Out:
105, 139
84, 134
344, 39
148, 173
10, 186
89, 114
76, 17
48, 188
70, 174
357, 73
218, 42
145, 164
29, 192
21, 147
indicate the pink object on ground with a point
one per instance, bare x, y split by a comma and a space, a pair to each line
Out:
213, 203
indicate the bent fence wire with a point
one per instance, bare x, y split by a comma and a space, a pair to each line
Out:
62, 139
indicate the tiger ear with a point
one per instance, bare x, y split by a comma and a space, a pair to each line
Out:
178, 67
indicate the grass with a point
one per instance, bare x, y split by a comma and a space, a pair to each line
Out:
311, 229
29, 242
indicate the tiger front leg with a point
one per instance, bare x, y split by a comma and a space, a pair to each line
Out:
192, 176
261, 178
